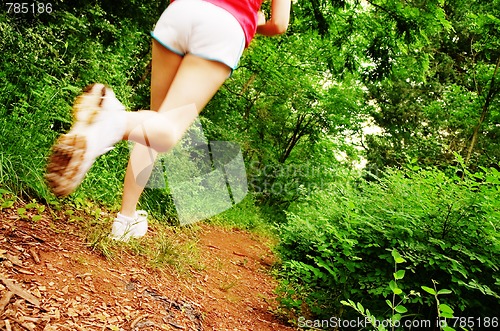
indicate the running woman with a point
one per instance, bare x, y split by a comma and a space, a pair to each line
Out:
196, 46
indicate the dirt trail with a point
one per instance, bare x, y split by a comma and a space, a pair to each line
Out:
50, 279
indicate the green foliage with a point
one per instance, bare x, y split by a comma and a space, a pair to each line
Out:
338, 245
399, 314
245, 215
46, 61
440, 90
7, 199
422, 71
289, 115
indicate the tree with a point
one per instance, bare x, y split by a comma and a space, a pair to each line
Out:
450, 104
283, 105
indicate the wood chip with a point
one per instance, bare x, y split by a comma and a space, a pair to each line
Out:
7, 264
5, 300
14, 260
30, 319
134, 322
41, 240
19, 248
20, 292
28, 326
177, 326
72, 312
50, 266
24, 271
56, 314
34, 255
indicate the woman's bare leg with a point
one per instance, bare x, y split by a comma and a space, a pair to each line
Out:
178, 99
164, 67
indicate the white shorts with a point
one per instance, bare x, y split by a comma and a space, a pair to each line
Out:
200, 28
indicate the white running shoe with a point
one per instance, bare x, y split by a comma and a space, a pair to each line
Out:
99, 123
125, 227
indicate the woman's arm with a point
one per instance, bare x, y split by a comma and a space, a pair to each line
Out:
280, 17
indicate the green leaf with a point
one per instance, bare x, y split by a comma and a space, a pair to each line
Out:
31, 205
399, 274
8, 204
445, 309
428, 290
36, 218
389, 303
448, 328
446, 315
397, 257
444, 291
321, 263
360, 308
492, 17
401, 309
394, 287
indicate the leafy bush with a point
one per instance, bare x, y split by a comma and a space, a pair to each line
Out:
46, 61
338, 246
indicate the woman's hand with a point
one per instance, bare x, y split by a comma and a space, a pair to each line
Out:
278, 22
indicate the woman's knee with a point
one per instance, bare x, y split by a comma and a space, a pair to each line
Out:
164, 137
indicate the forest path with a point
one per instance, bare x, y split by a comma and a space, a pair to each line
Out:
52, 279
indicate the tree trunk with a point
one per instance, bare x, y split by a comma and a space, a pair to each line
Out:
489, 97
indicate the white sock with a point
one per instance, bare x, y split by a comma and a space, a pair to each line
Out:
124, 218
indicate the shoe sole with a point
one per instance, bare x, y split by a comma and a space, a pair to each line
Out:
64, 169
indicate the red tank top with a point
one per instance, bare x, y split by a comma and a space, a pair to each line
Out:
245, 12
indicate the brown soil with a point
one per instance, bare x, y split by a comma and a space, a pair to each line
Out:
51, 279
